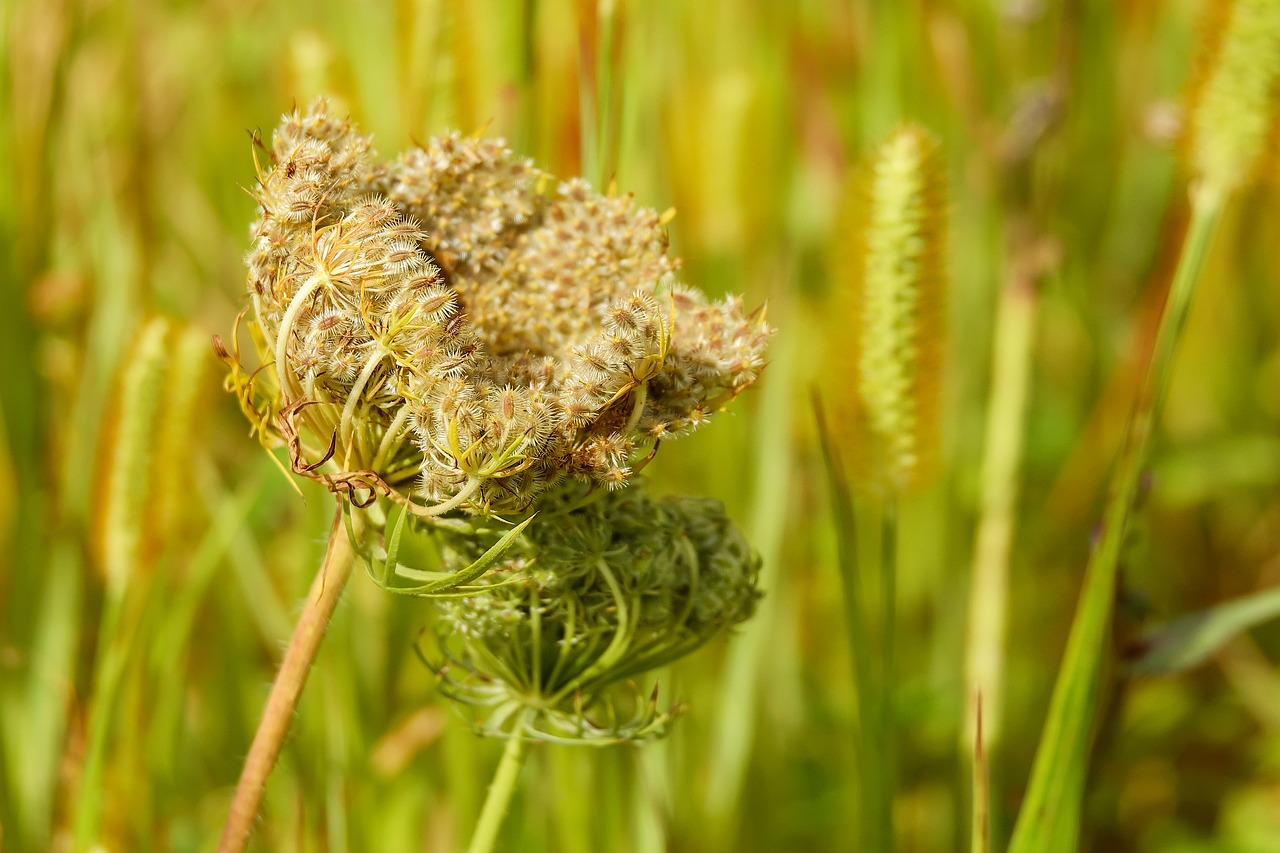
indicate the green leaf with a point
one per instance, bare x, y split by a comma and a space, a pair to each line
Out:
442, 583
874, 726
1189, 640
1051, 814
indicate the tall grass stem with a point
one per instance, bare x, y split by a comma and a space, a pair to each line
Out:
887, 700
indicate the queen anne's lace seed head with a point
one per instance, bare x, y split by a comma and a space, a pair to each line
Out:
456, 324
617, 588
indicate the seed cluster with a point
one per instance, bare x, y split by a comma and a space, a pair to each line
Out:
619, 587
897, 304
1232, 104
456, 319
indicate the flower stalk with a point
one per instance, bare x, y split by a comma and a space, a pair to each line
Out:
326, 589
498, 800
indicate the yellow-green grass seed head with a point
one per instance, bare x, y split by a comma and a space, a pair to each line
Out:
897, 306
1232, 103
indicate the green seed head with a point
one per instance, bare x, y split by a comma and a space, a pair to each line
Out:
898, 302
1233, 104
589, 599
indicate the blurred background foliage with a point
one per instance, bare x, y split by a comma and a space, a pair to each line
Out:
146, 596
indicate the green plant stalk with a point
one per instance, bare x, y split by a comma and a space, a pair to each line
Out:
875, 820
989, 589
885, 743
34, 739
499, 798
1049, 817
326, 589
108, 675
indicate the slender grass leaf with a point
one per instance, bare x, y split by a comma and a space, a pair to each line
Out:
1190, 640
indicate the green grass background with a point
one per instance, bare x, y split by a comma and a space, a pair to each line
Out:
143, 608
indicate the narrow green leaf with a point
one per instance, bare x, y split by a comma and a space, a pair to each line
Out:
1189, 640
449, 582
876, 819
393, 547
1050, 817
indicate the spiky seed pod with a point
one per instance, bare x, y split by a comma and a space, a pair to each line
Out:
453, 315
1232, 103
617, 588
897, 305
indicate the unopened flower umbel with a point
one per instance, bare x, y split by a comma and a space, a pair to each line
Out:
586, 601
455, 329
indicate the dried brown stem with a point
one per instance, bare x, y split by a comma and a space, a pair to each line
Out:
285, 692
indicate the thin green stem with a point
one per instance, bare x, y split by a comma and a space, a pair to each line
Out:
107, 680
637, 407
391, 442
617, 645
357, 389
472, 486
887, 705
499, 798
1051, 809
299, 301
287, 689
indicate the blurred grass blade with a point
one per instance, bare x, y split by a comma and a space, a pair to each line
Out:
1049, 820
876, 818
1189, 640
36, 730
736, 718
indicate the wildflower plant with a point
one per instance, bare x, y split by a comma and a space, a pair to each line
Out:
464, 350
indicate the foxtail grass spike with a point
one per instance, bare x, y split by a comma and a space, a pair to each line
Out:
1232, 103
898, 295
129, 480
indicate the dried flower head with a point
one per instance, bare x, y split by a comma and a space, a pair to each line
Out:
587, 600
454, 329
